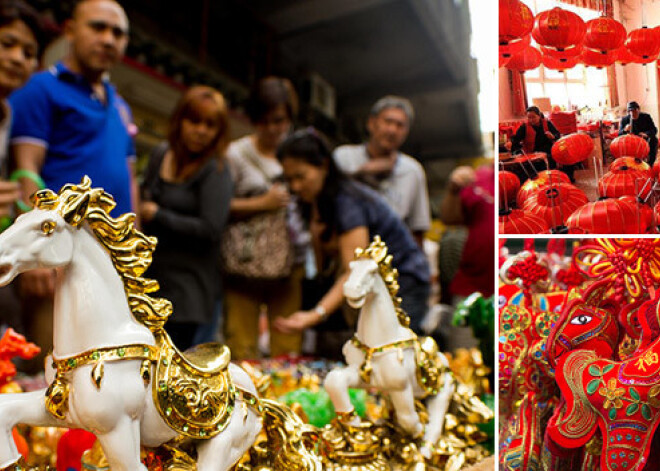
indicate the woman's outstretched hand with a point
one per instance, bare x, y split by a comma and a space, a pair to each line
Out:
296, 322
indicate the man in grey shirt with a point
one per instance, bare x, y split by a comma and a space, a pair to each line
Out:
397, 176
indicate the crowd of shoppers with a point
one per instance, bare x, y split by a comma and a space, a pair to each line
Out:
69, 121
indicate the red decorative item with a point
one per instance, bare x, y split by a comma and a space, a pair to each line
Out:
558, 28
625, 57
656, 169
21, 444
71, 447
610, 216
555, 203
597, 59
646, 213
508, 50
553, 63
13, 345
541, 180
509, 186
516, 20
604, 34
517, 221
630, 145
629, 163
527, 59
625, 182
562, 56
644, 42
572, 149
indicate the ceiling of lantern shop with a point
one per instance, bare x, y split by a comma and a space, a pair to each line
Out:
363, 48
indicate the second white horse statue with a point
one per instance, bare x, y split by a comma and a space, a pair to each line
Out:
387, 355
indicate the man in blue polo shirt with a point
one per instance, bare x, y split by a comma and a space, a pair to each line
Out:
69, 121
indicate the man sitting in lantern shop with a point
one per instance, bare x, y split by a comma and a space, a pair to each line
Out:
537, 135
641, 124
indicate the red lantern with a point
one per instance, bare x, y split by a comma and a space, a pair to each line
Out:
541, 180
630, 145
527, 59
625, 57
656, 169
517, 221
604, 34
554, 203
572, 149
509, 186
625, 182
610, 216
508, 50
646, 213
550, 62
644, 42
592, 58
562, 56
516, 20
558, 28
629, 163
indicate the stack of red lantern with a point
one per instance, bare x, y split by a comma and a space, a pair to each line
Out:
566, 40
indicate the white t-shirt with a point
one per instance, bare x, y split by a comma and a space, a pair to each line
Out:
405, 189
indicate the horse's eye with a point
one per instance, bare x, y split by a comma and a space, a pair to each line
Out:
581, 320
48, 227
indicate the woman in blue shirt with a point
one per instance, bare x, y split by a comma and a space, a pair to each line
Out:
346, 214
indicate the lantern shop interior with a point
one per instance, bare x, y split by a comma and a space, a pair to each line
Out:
586, 68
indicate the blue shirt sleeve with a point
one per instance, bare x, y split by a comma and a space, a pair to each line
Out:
32, 113
350, 214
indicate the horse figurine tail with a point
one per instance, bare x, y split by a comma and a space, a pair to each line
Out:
288, 439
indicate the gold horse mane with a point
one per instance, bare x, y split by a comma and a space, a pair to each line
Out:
377, 251
130, 250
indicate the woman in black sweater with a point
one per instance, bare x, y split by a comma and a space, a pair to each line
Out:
186, 194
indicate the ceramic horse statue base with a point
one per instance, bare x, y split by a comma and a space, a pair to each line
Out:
115, 372
385, 354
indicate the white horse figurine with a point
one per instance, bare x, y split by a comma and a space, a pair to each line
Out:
115, 371
387, 355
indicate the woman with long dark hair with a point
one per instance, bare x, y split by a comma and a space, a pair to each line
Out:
343, 215
186, 193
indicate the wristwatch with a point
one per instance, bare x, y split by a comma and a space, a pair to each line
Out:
320, 310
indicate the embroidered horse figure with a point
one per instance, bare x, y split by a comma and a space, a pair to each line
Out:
387, 355
619, 398
115, 371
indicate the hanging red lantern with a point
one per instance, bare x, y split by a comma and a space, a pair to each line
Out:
550, 62
516, 20
508, 50
630, 163
644, 42
572, 149
625, 57
555, 203
625, 182
558, 28
509, 185
630, 145
592, 58
541, 180
562, 56
527, 59
604, 34
609, 216
517, 221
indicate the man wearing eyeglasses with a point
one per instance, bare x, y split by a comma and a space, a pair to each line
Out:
640, 124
